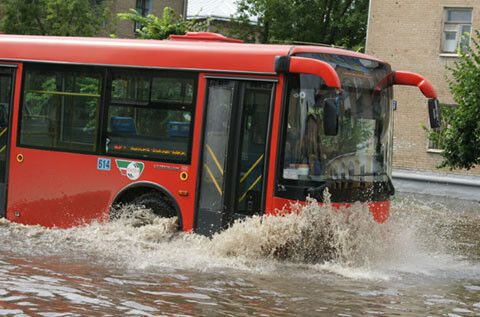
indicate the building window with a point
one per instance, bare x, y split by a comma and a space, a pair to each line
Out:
60, 108
436, 137
144, 8
456, 29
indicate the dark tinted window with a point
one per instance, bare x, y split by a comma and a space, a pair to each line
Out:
6, 78
150, 116
131, 89
60, 109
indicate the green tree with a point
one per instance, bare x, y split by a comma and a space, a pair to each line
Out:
437, 136
54, 17
153, 27
340, 22
461, 139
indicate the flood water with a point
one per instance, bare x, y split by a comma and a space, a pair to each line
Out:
424, 261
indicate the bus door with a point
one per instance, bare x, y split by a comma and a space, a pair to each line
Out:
232, 179
6, 84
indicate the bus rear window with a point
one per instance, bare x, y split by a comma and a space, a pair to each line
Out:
151, 116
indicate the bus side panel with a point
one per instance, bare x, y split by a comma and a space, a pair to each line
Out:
66, 189
274, 149
57, 188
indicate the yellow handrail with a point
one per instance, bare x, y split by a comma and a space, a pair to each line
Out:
213, 179
62, 93
219, 166
250, 188
251, 168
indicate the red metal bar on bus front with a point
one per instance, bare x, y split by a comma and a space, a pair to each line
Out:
413, 79
407, 79
303, 65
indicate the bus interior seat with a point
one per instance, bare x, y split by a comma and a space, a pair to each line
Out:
177, 129
123, 125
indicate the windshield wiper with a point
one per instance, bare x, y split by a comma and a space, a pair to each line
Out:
369, 174
315, 191
390, 189
311, 191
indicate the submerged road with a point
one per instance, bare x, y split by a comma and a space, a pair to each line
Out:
424, 261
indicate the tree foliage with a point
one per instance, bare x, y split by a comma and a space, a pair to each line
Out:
339, 22
437, 136
461, 141
54, 17
153, 27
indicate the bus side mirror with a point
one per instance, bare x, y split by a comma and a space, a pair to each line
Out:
413, 79
434, 113
330, 117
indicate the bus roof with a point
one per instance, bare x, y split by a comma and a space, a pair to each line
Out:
198, 55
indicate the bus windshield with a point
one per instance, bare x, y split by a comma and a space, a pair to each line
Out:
361, 151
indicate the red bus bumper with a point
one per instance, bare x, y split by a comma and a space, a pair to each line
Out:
380, 210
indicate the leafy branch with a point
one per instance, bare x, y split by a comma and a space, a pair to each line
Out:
461, 138
153, 27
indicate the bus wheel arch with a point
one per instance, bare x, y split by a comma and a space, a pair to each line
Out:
151, 195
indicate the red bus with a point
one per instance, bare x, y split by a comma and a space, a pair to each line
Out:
200, 127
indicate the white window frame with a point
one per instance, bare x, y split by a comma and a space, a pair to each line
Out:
457, 28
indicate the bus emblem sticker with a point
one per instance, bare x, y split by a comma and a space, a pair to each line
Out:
133, 170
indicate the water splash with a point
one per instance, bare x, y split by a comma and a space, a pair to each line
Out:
417, 239
312, 233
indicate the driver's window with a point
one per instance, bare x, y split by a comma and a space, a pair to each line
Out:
304, 156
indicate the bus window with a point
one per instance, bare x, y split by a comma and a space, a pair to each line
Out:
150, 116
360, 153
6, 76
60, 109
131, 89
5, 96
168, 90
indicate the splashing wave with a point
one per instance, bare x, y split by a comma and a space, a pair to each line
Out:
415, 240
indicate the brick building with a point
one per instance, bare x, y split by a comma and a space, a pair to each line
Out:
423, 37
126, 29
